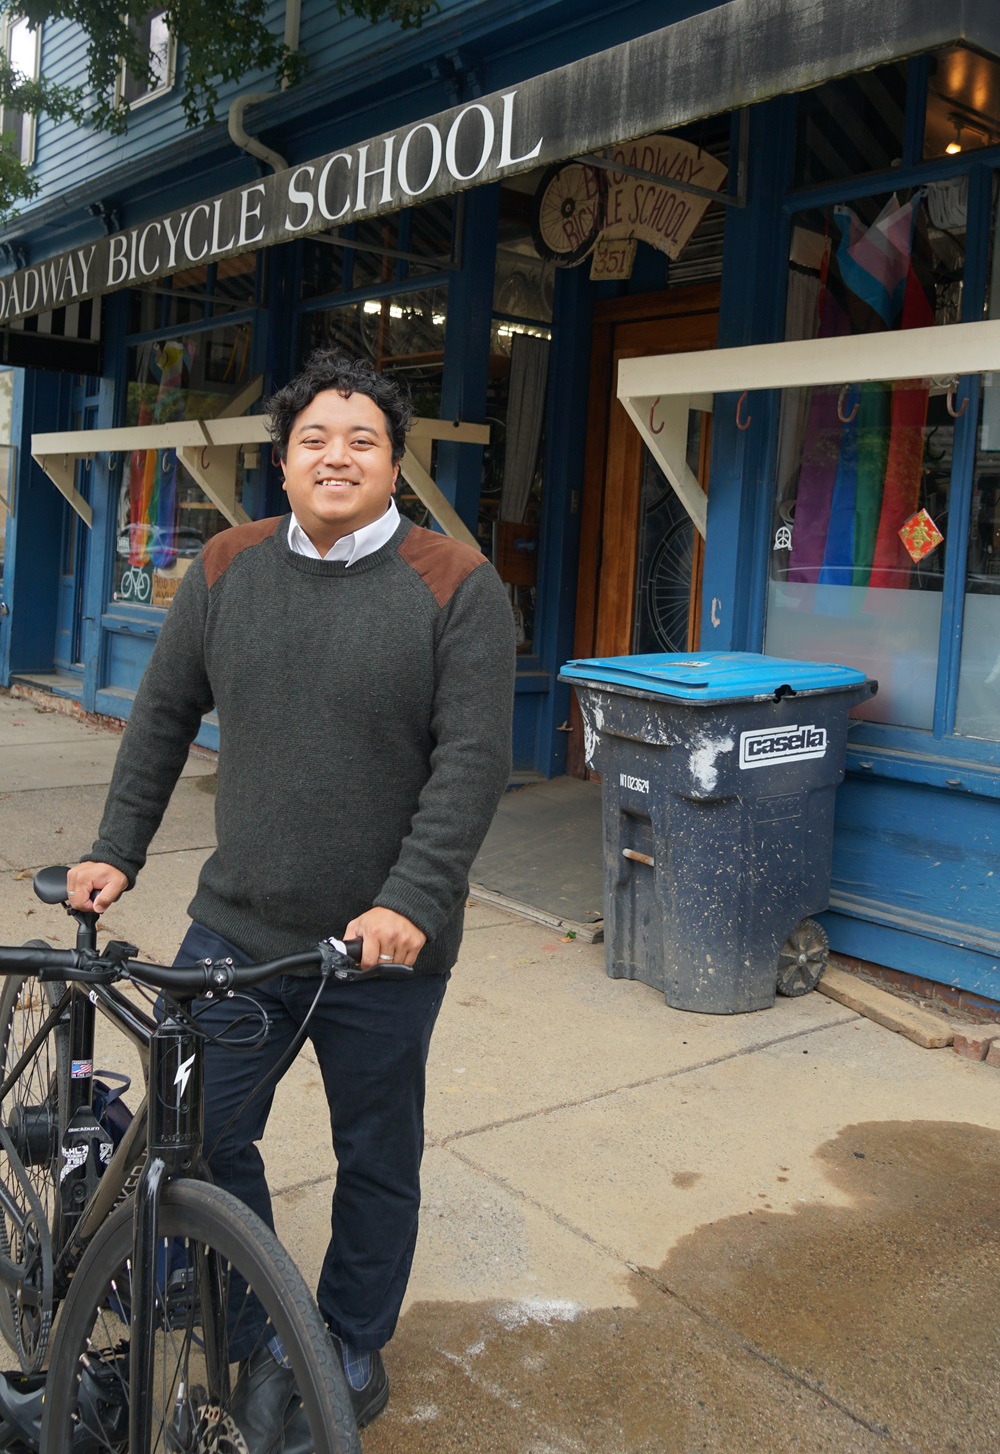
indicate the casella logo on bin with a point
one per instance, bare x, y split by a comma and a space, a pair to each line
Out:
781, 744
634, 784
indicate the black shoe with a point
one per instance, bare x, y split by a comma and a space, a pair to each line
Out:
264, 1404
367, 1402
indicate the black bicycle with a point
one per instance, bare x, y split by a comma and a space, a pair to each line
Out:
169, 1291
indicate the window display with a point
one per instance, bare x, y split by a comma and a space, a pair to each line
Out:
864, 470
164, 518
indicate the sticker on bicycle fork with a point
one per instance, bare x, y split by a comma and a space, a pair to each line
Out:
80, 1069
73, 1157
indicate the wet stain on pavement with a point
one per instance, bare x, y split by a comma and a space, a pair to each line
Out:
684, 1179
833, 1329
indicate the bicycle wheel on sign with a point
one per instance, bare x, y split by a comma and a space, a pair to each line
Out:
206, 1382
33, 1112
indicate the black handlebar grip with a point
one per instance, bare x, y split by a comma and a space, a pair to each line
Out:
353, 948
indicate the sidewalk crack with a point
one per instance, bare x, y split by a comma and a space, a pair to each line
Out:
596, 1096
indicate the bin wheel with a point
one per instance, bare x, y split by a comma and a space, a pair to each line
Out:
803, 959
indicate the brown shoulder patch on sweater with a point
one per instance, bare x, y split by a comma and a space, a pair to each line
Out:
441, 563
222, 549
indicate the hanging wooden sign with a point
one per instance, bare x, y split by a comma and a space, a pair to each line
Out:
585, 211
654, 212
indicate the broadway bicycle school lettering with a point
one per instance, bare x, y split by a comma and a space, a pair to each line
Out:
477, 142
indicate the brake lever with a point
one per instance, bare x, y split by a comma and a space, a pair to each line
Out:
378, 971
340, 960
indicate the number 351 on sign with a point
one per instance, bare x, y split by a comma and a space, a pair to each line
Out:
613, 257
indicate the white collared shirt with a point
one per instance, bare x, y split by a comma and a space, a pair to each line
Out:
349, 548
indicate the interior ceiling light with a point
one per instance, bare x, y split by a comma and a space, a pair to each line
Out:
961, 124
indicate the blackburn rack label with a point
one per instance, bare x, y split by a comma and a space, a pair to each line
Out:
781, 744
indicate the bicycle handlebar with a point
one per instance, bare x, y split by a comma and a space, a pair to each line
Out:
205, 976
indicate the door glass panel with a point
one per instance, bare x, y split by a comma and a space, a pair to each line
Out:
666, 556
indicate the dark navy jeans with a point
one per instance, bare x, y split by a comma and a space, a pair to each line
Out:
371, 1041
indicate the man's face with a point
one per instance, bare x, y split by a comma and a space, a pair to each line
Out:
339, 473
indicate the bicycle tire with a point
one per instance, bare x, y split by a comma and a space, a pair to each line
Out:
39, 1097
91, 1340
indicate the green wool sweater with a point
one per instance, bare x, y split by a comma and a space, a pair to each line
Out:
364, 735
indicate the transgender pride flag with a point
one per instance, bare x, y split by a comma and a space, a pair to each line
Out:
874, 261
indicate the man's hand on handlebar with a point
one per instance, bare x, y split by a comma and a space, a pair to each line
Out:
387, 934
95, 886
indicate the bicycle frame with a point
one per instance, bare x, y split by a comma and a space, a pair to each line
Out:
93, 1180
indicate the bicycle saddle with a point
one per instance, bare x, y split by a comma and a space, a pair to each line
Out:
50, 885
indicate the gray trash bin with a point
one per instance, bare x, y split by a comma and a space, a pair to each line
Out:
719, 774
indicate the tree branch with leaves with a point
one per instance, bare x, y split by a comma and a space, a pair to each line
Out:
223, 41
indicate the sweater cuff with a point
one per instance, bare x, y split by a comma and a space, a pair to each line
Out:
404, 898
100, 854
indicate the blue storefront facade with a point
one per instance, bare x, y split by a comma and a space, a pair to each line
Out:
481, 207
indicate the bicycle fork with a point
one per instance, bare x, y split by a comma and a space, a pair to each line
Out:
176, 1091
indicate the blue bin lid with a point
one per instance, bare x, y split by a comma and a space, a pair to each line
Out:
711, 676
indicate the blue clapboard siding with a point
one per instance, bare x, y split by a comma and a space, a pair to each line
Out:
68, 155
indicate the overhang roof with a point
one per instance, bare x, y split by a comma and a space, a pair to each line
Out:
720, 60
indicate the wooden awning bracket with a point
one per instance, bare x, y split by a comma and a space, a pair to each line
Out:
660, 391
209, 450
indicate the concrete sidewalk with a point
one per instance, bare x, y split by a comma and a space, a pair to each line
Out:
644, 1231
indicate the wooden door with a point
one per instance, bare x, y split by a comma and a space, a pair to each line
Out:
620, 472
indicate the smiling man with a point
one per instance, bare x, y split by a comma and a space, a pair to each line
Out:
362, 671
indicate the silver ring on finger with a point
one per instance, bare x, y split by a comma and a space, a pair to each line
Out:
385, 959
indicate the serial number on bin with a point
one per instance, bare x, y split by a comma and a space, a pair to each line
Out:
634, 784
781, 744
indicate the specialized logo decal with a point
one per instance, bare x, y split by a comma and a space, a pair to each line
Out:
634, 784
184, 1074
781, 744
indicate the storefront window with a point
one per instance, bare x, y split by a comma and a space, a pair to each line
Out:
864, 470
513, 479
963, 103
403, 334
379, 250
191, 296
164, 518
851, 126
978, 708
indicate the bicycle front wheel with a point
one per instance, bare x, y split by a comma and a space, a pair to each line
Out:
208, 1396
34, 1114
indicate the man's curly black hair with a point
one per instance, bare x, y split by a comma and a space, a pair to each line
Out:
328, 368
